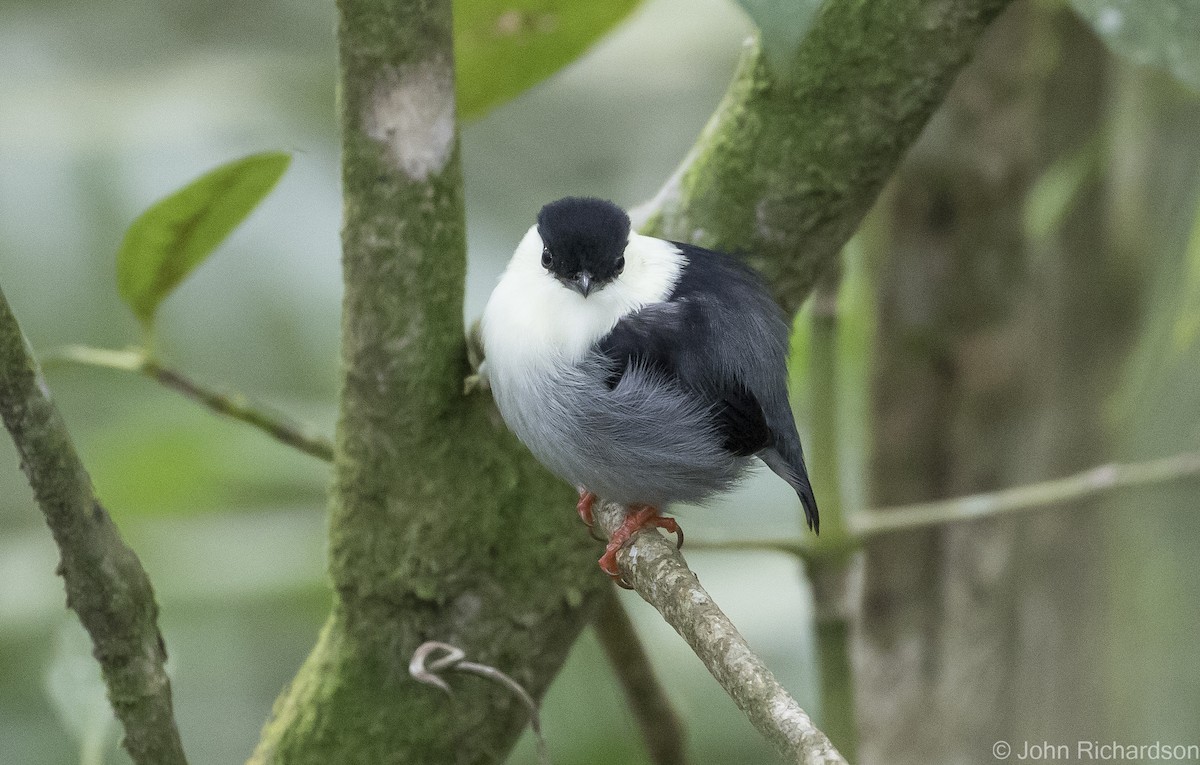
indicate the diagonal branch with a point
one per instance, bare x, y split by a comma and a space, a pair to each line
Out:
656, 570
106, 584
279, 426
797, 153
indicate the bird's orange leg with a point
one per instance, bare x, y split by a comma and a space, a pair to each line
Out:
640, 517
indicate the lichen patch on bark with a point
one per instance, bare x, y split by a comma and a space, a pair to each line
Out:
411, 111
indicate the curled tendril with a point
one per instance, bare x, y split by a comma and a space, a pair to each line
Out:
425, 669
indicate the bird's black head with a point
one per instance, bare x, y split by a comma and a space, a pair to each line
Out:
584, 242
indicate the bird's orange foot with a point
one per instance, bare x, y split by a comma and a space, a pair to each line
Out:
644, 516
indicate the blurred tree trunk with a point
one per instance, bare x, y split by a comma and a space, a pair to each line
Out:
995, 355
1153, 656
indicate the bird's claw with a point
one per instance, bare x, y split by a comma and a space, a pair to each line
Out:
671, 526
644, 517
584, 507
586, 501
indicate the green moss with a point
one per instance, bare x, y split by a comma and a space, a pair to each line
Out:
442, 526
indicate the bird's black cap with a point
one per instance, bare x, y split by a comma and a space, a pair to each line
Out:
584, 234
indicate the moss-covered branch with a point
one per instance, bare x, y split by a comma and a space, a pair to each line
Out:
106, 584
654, 568
792, 160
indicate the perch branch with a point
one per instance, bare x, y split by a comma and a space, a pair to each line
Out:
235, 405
661, 727
655, 569
106, 584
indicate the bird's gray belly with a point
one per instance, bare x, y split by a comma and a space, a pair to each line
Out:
644, 442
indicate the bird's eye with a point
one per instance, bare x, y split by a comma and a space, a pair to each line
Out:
547, 258
620, 264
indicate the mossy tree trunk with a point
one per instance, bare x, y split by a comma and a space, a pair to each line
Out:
995, 357
442, 527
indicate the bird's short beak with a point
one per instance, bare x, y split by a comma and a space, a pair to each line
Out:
582, 283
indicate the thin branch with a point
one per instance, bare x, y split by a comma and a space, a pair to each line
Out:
661, 727
1037, 496
106, 584
1046, 495
655, 569
235, 405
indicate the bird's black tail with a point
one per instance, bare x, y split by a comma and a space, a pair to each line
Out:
796, 476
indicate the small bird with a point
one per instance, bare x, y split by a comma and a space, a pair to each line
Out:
643, 371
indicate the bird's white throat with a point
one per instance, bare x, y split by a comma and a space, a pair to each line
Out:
533, 321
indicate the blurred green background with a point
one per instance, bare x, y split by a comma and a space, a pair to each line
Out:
107, 105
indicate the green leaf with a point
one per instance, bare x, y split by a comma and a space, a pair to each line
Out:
178, 232
1161, 33
503, 47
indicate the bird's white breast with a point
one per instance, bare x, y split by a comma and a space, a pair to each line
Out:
534, 326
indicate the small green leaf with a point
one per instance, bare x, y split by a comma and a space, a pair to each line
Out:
503, 47
178, 232
1161, 33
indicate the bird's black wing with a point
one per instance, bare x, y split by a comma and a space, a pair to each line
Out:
720, 337
675, 341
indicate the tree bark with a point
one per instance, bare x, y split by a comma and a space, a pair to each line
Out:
442, 527
106, 584
992, 369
